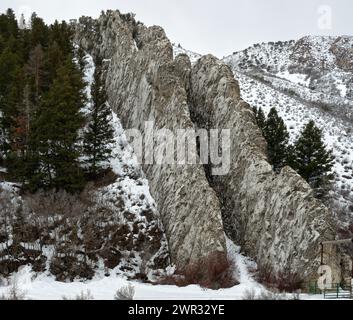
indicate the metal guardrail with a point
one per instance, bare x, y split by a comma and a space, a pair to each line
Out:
338, 291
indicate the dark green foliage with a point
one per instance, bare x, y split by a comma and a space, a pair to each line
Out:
8, 24
54, 135
99, 134
308, 156
54, 59
312, 160
62, 34
41, 98
11, 86
260, 118
276, 134
39, 32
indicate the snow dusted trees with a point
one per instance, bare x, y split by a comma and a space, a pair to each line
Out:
99, 134
308, 155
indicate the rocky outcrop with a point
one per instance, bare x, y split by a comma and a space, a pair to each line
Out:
274, 217
144, 83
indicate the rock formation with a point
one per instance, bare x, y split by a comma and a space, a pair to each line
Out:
274, 217
144, 83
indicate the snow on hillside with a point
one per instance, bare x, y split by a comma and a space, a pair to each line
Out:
129, 236
177, 49
337, 133
308, 79
131, 179
267, 78
317, 69
44, 287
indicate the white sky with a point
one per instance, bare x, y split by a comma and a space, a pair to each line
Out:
210, 26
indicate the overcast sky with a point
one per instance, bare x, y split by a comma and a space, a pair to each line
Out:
213, 26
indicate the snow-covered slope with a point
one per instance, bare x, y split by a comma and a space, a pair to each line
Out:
316, 68
177, 49
43, 287
308, 79
114, 228
39, 287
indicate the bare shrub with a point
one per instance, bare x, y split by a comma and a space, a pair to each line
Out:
125, 293
14, 292
271, 295
284, 281
268, 295
249, 294
213, 272
62, 203
105, 178
82, 296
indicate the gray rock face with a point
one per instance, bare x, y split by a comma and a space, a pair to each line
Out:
144, 83
274, 217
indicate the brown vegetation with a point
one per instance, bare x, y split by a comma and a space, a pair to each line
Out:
214, 272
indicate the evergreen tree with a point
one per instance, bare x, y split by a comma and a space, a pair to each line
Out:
99, 134
260, 118
62, 34
10, 88
8, 24
276, 134
54, 135
41, 95
54, 59
312, 160
39, 32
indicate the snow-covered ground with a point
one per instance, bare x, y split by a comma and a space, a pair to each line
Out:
44, 287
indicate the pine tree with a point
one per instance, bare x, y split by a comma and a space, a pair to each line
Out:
99, 134
41, 95
10, 89
276, 134
260, 118
312, 160
54, 59
54, 135
62, 34
39, 32
8, 24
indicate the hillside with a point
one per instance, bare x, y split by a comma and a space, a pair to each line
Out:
125, 158
308, 79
